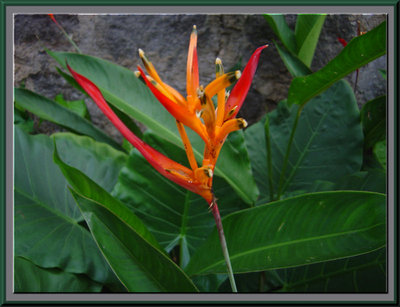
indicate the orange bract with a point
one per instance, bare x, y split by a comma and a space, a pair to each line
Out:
197, 112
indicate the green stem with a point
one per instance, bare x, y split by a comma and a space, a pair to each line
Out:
224, 247
68, 37
269, 159
296, 120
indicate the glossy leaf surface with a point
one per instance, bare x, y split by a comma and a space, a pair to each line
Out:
126, 92
301, 230
129, 248
360, 51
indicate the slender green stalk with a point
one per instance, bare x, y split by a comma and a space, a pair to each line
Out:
269, 160
224, 247
70, 39
285, 162
65, 33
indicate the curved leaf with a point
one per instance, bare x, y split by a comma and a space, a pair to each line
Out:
30, 278
48, 231
125, 91
360, 51
125, 242
56, 113
301, 230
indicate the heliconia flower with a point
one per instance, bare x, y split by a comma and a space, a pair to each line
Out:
196, 111
216, 123
174, 171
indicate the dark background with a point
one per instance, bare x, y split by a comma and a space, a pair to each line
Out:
165, 39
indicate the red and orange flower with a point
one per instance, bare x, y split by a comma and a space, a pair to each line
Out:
196, 111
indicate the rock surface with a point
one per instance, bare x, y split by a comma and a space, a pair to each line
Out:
165, 39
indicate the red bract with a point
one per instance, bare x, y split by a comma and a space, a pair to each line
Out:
196, 111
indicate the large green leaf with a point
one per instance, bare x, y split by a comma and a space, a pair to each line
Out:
308, 28
301, 230
126, 92
31, 278
360, 51
56, 113
48, 228
327, 144
174, 216
128, 246
364, 273
281, 29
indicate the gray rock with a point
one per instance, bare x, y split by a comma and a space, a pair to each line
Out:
165, 40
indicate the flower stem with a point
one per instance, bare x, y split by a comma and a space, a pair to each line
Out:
224, 247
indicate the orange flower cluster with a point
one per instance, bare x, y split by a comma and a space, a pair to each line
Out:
196, 111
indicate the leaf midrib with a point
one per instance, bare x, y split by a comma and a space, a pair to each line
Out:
259, 249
